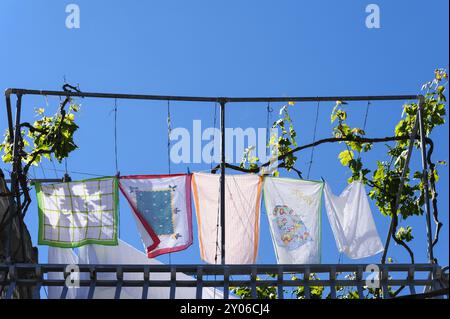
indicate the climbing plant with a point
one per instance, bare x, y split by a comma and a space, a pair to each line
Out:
281, 143
47, 137
384, 179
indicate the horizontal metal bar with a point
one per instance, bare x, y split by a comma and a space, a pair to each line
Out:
233, 269
209, 99
323, 98
41, 180
245, 276
215, 283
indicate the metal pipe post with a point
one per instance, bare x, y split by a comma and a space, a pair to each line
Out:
222, 181
426, 194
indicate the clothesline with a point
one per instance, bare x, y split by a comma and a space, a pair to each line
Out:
75, 92
74, 214
34, 175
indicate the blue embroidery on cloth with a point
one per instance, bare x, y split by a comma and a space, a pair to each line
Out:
156, 208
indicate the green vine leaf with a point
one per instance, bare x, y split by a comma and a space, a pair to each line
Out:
345, 157
47, 137
404, 234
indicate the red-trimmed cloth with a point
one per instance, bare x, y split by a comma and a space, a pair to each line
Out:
162, 207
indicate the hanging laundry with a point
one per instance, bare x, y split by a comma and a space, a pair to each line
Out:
78, 213
123, 254
294, 211
64, 256
162, 208
352, 222
242, 208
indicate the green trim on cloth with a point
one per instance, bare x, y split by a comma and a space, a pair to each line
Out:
320, 221
42, 212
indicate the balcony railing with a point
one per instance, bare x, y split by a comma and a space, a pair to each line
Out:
406, 279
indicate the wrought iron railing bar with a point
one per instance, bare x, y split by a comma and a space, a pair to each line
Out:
253, 274
217, 283
226, 282
384, 277
359, 282
306, 281
410, 280
280, 286
119, 283
37, 289
145, 284
218, 269
199, 292
333, 283
93, 279
173, 281
402, 275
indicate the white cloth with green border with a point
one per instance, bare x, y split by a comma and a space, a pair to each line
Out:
77, 213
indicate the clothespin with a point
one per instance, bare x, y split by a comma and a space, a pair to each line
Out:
322, 179
117, 175
188, 171
66, 178
360, 176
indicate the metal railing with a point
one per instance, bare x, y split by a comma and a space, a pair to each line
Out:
411, 279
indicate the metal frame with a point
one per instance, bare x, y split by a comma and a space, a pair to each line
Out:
14, 129
220, 276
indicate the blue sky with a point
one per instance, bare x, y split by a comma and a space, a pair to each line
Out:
225, 48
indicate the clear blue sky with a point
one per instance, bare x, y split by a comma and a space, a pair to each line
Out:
225, 48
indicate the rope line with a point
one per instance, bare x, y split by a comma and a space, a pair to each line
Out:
314, 140
366, 115
269, 110
116, 157
43, 173
65, 165
217, 230
54, 167
364, 124
218, 199
214, 135
169, 131
72, 172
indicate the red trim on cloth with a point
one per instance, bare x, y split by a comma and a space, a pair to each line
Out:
151, 251
152, 176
